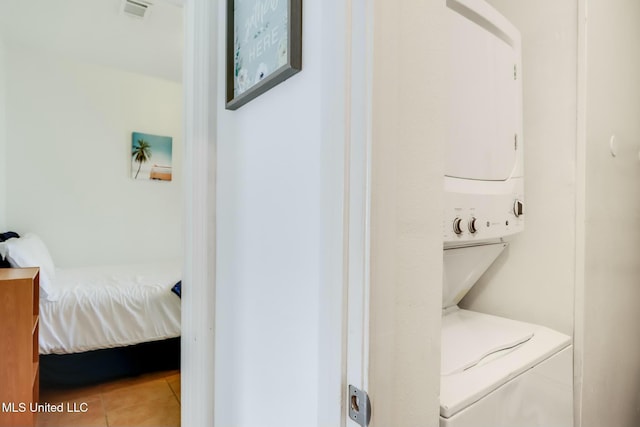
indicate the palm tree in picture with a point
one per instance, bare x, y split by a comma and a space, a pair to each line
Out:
141, 153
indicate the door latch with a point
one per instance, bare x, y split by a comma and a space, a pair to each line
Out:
359, 406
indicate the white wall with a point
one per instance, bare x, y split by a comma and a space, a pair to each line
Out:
611, 354
69, 151
3, 139
279, 237
533, 280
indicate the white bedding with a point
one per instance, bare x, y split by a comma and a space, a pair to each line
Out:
110, 306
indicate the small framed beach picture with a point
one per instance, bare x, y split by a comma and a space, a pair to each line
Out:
264, 46
151, 157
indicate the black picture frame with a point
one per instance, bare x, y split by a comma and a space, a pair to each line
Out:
236, 74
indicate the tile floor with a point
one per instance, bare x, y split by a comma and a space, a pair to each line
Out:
147, 400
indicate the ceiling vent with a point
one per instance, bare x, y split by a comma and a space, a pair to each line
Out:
139, 9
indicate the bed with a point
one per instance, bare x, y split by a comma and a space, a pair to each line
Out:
104, 322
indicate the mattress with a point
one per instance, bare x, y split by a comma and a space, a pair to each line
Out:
110, 306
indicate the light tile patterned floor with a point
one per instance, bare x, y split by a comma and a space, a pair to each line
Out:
148, 400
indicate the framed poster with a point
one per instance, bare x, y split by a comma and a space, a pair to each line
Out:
264, 46
151, 156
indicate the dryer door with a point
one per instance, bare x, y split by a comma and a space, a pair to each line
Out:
484, 104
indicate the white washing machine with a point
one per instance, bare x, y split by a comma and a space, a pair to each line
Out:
498, 372
495, 372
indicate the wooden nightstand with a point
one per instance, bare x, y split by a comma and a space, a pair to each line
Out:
19, 367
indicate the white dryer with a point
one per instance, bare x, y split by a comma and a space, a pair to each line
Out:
495, 372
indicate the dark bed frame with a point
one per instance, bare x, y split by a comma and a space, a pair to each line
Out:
91, 367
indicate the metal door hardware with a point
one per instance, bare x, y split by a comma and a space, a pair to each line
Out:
359, 406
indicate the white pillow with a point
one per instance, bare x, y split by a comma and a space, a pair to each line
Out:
30, 251
3, 250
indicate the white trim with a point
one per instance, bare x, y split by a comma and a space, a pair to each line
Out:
368, 78
358, 191
580, 232
346, 270
198, 296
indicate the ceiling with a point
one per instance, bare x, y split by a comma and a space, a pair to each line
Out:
96, 31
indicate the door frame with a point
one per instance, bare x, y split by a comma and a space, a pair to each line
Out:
358, 193
200, 96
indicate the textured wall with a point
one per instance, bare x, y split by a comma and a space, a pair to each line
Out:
611, 355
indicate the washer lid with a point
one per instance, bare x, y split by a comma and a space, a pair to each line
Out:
470, 339
481, 352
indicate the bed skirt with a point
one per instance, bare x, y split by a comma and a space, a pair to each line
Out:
91, 367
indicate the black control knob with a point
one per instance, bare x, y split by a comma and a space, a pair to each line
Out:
472, 225
457, 226
518, 208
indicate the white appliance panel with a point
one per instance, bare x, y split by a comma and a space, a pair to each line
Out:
513, 355
471, 339
462, 269
540, 397
483, 111
489, 206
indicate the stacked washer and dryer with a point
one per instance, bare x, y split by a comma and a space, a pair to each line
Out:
495, 372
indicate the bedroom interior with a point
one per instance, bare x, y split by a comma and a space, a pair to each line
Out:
76, 80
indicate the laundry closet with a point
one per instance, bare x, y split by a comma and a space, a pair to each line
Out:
495, 371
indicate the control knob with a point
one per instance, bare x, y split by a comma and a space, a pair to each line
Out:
472, 225
518, 208
457, 226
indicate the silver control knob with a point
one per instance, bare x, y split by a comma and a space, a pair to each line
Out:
457, 226
518, 208
472, 225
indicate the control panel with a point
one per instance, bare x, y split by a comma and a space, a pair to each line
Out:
471, 217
